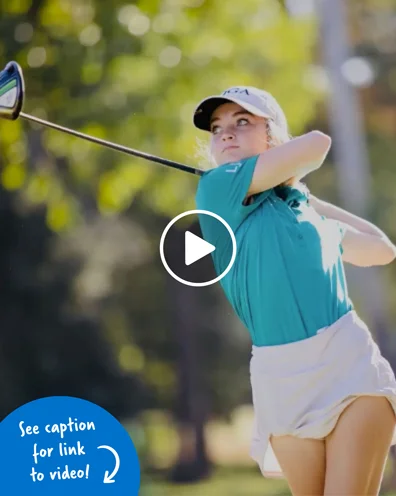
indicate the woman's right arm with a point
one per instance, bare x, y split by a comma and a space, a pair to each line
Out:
294, 158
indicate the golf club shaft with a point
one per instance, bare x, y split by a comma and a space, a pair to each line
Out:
114, 146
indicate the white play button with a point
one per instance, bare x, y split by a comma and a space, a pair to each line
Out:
195, 248
184, 248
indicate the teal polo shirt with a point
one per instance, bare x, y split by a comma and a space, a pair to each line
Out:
288, 278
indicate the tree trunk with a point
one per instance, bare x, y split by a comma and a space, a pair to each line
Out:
192, 406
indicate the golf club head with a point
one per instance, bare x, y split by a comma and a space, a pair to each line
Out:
12, 91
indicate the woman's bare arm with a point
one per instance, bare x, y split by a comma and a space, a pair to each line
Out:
364, 244
294, 158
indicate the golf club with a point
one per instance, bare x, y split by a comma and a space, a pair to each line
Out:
12, 95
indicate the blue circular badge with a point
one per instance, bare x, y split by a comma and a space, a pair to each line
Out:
66, 446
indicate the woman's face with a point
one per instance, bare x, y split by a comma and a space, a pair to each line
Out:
236, 134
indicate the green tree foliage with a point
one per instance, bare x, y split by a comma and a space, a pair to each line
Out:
132, 73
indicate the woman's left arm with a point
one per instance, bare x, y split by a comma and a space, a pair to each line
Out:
363, 244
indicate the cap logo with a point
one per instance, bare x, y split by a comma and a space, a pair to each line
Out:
236, 90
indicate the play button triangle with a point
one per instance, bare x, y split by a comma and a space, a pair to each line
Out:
195, 248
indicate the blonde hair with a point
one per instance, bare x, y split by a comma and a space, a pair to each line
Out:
275, 137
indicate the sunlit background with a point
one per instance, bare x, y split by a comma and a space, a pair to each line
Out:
87, 309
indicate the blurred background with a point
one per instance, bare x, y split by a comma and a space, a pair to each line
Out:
86, 307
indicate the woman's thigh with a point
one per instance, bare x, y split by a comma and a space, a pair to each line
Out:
358, 447
302, 462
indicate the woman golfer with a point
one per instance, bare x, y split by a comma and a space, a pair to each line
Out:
324, 397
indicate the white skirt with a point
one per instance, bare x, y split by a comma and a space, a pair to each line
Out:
301, 388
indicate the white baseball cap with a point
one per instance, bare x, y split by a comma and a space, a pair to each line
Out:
254, 100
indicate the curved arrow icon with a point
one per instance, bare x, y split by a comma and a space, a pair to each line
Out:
108, 479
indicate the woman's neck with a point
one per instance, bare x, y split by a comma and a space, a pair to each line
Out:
290, 182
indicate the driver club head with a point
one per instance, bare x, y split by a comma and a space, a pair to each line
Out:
12, 91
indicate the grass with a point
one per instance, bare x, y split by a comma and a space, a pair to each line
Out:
224, 482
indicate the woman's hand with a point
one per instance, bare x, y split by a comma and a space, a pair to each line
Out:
364, 244
366, 250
